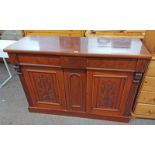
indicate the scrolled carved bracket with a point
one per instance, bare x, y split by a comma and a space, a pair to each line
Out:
137, 77
17, 68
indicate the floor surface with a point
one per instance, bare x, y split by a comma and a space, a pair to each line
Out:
13, 109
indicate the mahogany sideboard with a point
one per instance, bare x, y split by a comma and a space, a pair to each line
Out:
79, 76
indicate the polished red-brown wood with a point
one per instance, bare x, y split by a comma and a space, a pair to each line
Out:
108, 91
75, 88
80, 46
79, 76
45, 86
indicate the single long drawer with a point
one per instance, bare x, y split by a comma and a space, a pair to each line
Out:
146, 97
145, 109
151, 69
73, 62
109, 63
149, 84
39, 59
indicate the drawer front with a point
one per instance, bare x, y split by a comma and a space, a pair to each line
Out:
54, 32
39, 59
149, 84
146, 97
73, 62
144, 109
151, 69
108, 63
47, 34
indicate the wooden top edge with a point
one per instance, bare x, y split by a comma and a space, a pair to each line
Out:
76, 54
81, 46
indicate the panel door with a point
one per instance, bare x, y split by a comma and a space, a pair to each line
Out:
45, 87
107, 92
75, 87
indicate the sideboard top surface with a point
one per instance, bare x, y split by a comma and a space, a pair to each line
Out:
80, 46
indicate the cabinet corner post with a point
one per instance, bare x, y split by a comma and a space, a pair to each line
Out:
17, 68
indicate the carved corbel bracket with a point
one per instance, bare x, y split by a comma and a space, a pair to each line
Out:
17, 68
137, 77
